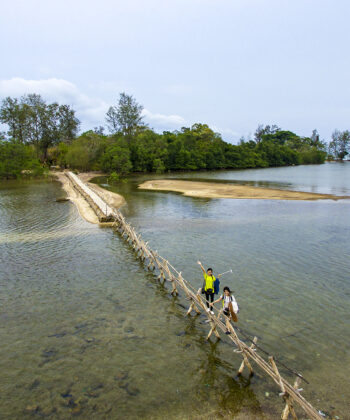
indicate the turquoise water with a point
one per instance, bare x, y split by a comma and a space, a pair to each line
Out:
87, 332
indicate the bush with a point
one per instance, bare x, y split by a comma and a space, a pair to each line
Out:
116, 159
18, 161
312, 156
113, 178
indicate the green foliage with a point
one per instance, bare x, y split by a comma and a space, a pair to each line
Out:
146, 148
50, 131
126, 117
158, 166
86, 151
339, 147
113, 178
312, 156
199, 147
31, 120
116, 159
18, 161
261, 131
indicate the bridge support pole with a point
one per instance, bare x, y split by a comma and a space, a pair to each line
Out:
286, 411
193, 307
241, 349
161, 275
241, 368
174, 292
284, 394
213, 330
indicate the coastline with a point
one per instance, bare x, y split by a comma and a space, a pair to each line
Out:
112, 199
217, 190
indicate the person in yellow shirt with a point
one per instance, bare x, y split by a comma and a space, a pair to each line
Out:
208, 286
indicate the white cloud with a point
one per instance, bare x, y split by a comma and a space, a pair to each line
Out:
226, 133
162, 121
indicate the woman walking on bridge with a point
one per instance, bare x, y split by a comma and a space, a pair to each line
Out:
230, 306
208, 286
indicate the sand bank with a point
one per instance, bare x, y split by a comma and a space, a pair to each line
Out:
217, 190
112, 199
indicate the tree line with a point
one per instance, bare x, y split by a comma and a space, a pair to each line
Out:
40, 135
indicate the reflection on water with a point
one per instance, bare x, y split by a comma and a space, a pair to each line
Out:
86, 331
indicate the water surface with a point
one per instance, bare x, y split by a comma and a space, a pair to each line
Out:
86, 331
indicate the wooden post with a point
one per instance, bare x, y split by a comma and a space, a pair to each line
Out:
190, 309
213, 330
286, 411
284, 394
174, 292
161, 275
182, 283
242, 350
193, 307
241, 368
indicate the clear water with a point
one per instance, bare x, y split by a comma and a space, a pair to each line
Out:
86, 331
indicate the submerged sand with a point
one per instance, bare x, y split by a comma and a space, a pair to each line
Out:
218, 190
112, 199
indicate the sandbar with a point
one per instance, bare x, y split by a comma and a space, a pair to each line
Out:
218, 190
112, 199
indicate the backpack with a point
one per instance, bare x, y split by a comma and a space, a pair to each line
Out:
216, 286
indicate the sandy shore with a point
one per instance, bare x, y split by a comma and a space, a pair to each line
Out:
112, 199
217, 190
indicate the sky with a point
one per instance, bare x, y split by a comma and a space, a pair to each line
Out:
231, 64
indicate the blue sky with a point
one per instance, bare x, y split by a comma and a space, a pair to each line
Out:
229, 63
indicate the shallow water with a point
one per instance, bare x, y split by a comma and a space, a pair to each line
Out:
86, 331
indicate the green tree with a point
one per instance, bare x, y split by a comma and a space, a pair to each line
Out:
262, 130
158, 166
68, 124
14, 114
117, 159
146, 147
18, 160
126, 117
339, 147
86, 151
30, 120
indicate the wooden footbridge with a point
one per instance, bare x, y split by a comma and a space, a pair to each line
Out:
291, 394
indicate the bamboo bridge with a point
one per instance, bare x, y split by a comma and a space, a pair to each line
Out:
291, 394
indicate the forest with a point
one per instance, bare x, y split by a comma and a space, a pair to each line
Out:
41, 135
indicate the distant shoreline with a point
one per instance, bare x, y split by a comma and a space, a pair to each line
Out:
218, 190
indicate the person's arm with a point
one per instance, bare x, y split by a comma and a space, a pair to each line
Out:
216, 301
200, 264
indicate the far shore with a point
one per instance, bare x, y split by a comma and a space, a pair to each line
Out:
112, 199
218, 190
